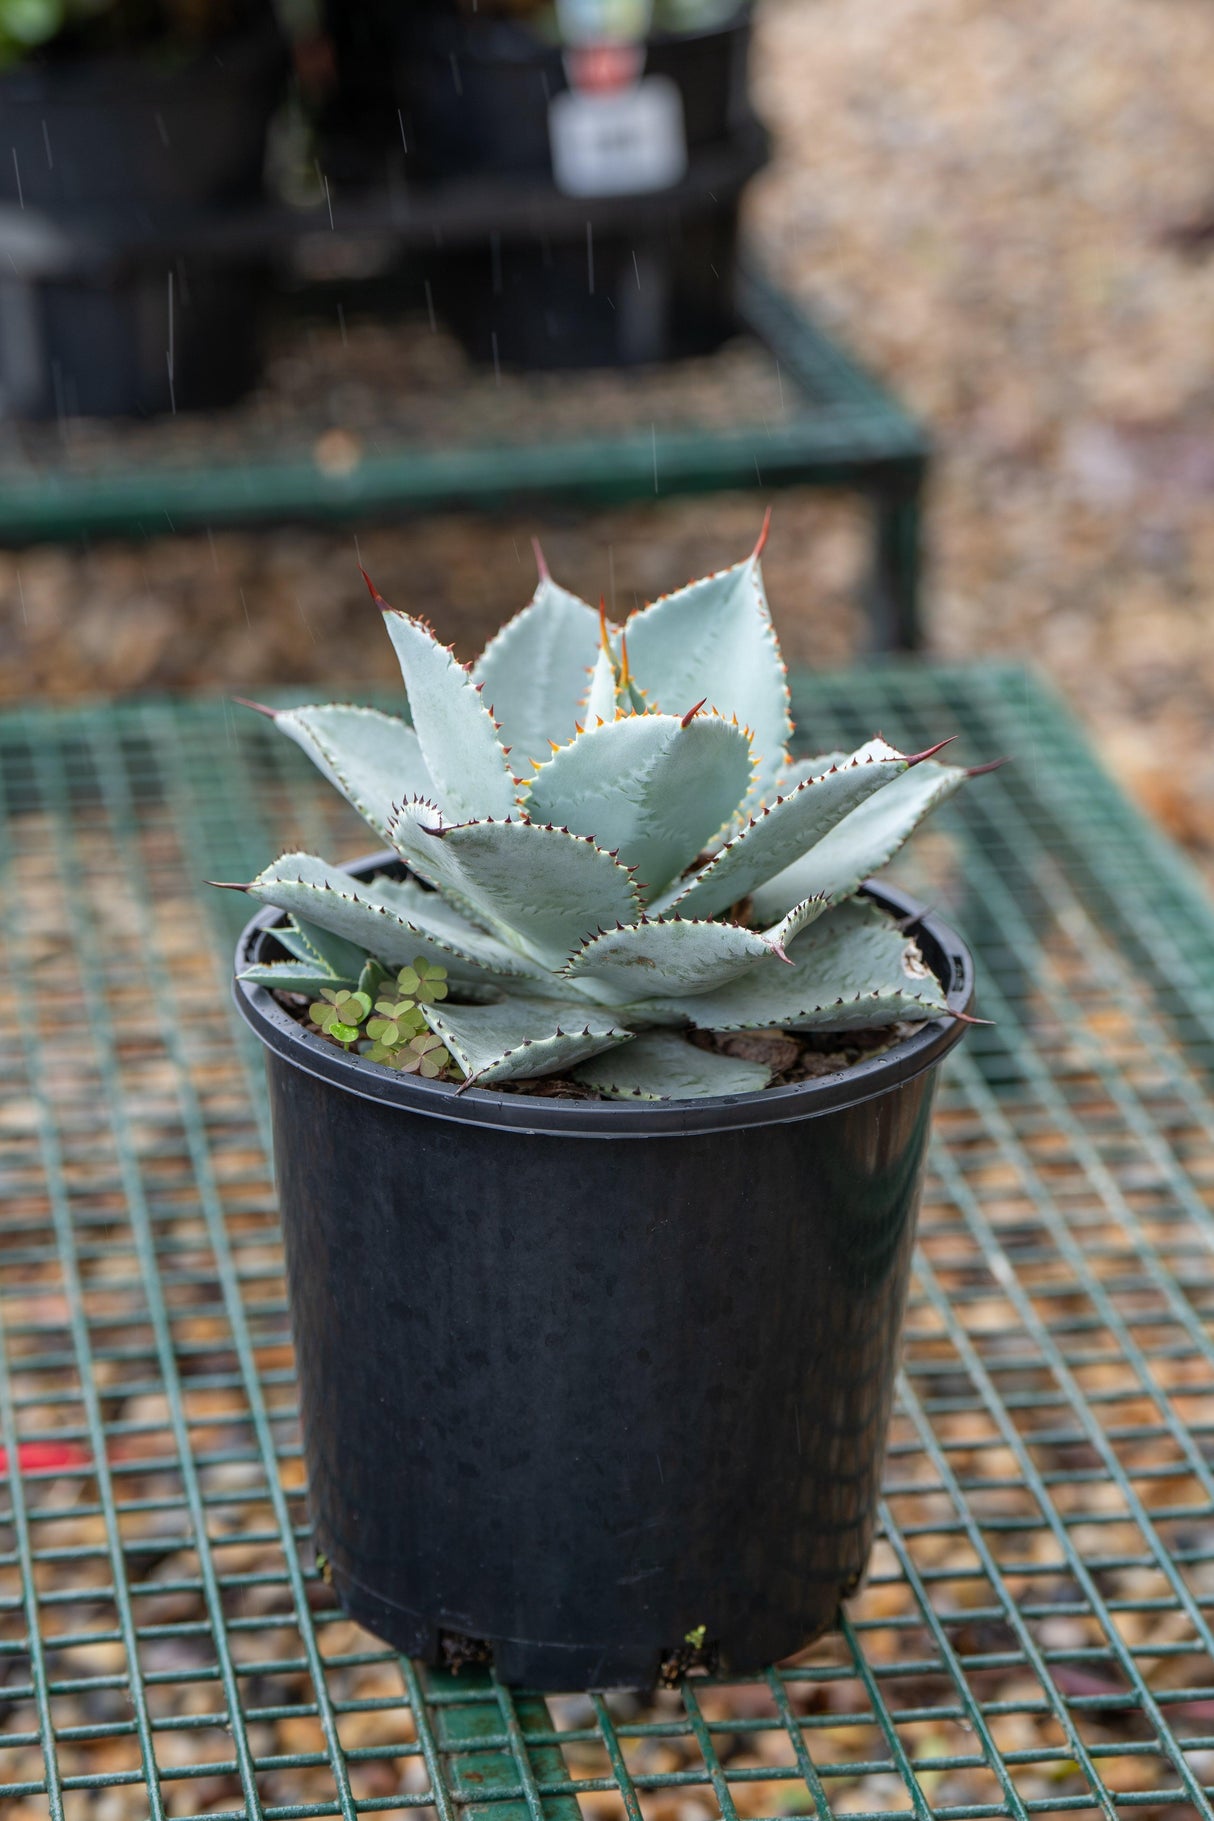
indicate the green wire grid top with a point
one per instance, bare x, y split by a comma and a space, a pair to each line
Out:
1035, 1638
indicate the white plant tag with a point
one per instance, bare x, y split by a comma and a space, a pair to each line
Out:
618, 143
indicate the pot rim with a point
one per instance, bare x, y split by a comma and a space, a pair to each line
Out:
944, 951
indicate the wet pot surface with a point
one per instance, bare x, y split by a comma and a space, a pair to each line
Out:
603, 1386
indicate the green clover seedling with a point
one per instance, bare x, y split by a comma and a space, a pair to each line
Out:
339, 1014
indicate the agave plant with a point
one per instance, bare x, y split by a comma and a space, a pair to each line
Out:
608, 845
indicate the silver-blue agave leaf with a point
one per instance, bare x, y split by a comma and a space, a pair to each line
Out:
470, 770
601, 702
852, 969
373, 759
652, 789
533, 672
863, 842
360, 914
541, 890
785, 829
294, 977
659, 1066
666, 956
309, 942
714, 640
520, 1039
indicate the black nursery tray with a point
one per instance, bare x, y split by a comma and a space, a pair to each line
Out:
1035, 1638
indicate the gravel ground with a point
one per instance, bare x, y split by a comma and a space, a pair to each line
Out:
991, 206
995, 210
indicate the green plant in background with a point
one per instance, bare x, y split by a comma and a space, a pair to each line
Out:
28, 27
607, 846
604, 21
25, 25
580, 21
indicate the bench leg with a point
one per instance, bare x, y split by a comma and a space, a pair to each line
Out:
893, 589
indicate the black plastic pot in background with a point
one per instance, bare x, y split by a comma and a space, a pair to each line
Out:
663, 291
130, 340
474, 93
470, 96
361, 138
601, 1387
109, 158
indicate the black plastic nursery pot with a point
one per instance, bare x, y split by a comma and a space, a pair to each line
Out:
471, 97
445, 95
126, 340
598, 1388
105, 308
661, 291
654, 288
474, 93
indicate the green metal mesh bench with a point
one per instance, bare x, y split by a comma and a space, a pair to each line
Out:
782, 406
1036, 1636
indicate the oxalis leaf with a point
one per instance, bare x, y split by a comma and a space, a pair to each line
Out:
542, 890
374, 759
663, 1067
853, 969
459, 742
714, 639
521, 1039
863, 842
783, 830
533, 673
308, 888
673, 956
652, 788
